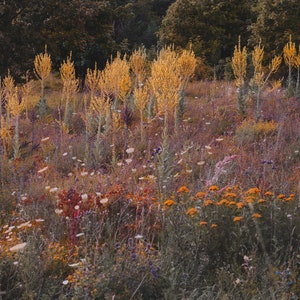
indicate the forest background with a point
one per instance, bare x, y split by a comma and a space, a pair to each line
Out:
95, 30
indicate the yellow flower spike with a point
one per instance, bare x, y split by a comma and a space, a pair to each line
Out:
237, 218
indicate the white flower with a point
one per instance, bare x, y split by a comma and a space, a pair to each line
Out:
65, 282
76, 207
45, 139
53, 190
104, 200
128, 161
129, 150
65, 154
74, 265
58, 211
43, 170
18, 247
138, 236
84, 196
79, 234
84, 173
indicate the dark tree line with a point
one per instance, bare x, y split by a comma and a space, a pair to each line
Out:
94, 30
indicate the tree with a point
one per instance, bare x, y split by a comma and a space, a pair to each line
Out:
212, 26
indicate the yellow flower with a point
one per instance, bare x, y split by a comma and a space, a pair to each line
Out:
169, 202
256, 215
183, 189
249, 199
280, 196
192, 211
200, 195
202, 223
232, 203
214, 188
237, 218
208, 202
214, 225
252, 191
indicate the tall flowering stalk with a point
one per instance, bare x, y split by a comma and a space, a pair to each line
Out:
165, 83
239, 66
138, 63
15, 106
260, 77
42, 70
70, 85
289, 55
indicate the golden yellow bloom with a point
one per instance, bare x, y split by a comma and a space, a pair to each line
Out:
202, 223
208, 202
192, 211
256, 215
252, 191
214, 225
237, 218
200, 194
214, 188
169, 202
183, 189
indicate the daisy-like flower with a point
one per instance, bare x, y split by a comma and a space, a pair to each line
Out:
213, 188
192, 211
183, 189
214, 225
169, 202
202, 223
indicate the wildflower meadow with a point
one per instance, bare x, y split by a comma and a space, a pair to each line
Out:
141, 182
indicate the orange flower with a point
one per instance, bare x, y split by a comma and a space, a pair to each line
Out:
269, 193
240, 205
213, 188
280, 196
230, 195
252, 191
200, 195
202, 223
192, 211
169, 202
237, 218
223, 202
208, 202
183, 189
214, 225
232, 203
261, 201
249, 199
256, 215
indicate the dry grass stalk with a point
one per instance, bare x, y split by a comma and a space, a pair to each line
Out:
289, 55
141, 99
